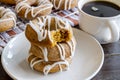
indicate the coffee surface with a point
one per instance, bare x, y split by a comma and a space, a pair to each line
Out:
101, 9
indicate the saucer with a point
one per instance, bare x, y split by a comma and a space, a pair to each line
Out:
87, 61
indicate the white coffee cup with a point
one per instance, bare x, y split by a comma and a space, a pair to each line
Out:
104, 29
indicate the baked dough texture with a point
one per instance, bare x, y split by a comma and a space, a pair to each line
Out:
52, 44
30, 9
48, 67
48, 31
64, 4
57, 53
12, 2
7, 19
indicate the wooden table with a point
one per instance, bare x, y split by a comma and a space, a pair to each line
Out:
109, 71
111, 66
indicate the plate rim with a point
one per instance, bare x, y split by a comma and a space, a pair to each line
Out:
3, 52
90, 77
102, 53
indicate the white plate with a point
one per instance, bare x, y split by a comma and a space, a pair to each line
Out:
86, 63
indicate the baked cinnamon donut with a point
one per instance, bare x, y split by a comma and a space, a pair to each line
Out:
30, 9
64, 4
48, 31
48, 67
7, 19
59, 52
8, 1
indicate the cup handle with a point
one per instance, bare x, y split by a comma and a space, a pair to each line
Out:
114, 31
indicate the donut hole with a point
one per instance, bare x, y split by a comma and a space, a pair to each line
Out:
34, 5
61, 35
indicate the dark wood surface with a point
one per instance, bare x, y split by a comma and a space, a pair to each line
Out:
110, 69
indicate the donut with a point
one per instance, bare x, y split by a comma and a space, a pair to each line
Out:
48, 67
63, 4
30, 9
8, 1
59, 52
48, 31
7, 19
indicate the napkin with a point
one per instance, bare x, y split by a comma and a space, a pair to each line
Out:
70, 15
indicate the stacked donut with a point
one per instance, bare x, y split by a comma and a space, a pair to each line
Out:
30, 9
52, 44
51, 38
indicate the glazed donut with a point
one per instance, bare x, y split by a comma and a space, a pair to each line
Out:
60, 52
64, 4
8, 1
48, 31
48, 67
7, 19
30, 9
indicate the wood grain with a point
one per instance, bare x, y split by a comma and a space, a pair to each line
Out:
110, 69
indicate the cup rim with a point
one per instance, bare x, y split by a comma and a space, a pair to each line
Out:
80, 10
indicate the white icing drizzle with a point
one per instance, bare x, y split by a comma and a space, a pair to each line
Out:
60, 67
42, 5
39, 32
62, 54
70, 2
5, 20
35, 62
49, 23
62, 51
72, 45
58, 23
47, 68
7, 15
41, 25
67, 4
71, 48
45, 53
42, 21
31, 63
42, 33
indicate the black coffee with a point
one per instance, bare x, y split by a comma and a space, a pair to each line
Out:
101, 9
